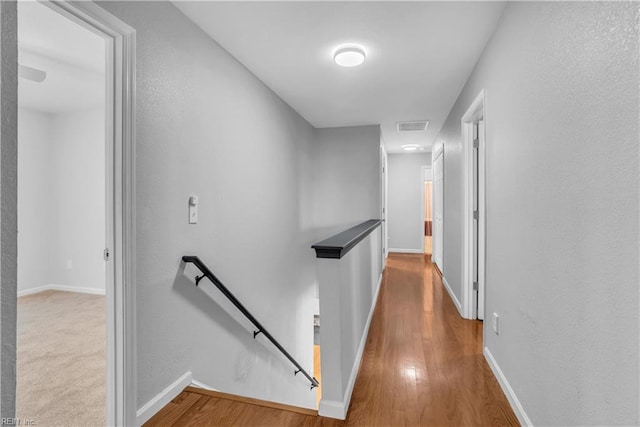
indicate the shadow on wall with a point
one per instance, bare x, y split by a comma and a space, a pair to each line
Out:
208, 300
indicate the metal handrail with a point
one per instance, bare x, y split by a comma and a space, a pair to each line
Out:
261, 330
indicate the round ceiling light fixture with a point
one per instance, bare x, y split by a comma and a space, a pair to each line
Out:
410, 147
349, 56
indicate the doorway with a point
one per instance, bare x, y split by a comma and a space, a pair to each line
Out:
438, 207
427, 209
61, 357
118, 227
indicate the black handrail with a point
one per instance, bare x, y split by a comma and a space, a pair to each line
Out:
337, 246
209, 275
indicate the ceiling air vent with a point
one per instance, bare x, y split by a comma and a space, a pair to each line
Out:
414, 126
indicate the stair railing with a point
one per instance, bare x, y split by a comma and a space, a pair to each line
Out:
261, 329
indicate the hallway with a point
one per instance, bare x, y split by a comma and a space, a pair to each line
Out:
423, 365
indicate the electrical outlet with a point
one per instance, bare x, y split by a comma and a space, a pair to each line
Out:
495, 323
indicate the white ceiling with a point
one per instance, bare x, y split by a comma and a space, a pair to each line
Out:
72, 56
419, 55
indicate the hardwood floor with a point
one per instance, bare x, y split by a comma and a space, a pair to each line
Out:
422, 365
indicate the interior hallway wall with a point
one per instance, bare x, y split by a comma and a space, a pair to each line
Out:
61, 204
405, 198
206, 126
346, 177
561, 90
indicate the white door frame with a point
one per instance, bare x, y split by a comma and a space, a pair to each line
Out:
437, 242
474, 113
120, 150
384, 210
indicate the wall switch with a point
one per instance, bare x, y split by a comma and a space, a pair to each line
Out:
495, 323
69, 264
193, 209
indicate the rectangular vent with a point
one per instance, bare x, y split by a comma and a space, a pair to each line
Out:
414, 126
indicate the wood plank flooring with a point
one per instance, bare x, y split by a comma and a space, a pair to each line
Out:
422, 366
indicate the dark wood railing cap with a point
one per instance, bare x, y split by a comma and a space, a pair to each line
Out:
338, 245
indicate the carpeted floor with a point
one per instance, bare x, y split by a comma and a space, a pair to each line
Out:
61, 358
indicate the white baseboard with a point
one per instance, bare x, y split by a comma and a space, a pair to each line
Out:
455, 300
406, 251
332, 409
202, 385
153, 406
63, 288
336, 409
506, 388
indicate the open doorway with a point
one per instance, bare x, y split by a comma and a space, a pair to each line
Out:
427, 209
61, 362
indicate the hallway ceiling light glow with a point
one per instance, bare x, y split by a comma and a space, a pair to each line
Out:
410, 147
349, 56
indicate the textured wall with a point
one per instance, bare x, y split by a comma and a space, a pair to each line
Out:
207, 126
561, 82
406, 187
8, 203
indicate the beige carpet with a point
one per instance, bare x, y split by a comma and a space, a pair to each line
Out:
61, 365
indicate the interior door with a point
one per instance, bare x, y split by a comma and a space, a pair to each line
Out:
438, 210
481, 219
383, 185
476, 216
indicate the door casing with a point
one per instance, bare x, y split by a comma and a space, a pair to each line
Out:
475, 113
120, 174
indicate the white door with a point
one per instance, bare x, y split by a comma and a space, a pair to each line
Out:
477, 250
383, 185
438, 209
481, 223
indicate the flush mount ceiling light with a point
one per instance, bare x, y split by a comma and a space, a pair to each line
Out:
349, 56
410, 147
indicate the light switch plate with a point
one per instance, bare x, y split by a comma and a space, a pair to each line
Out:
193, 214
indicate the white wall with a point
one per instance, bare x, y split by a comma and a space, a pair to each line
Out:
61, 204
79, 177
406, 188
207, 126
37, 210
561, 85
346, 177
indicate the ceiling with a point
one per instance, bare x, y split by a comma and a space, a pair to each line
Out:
419, 55
72, 56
